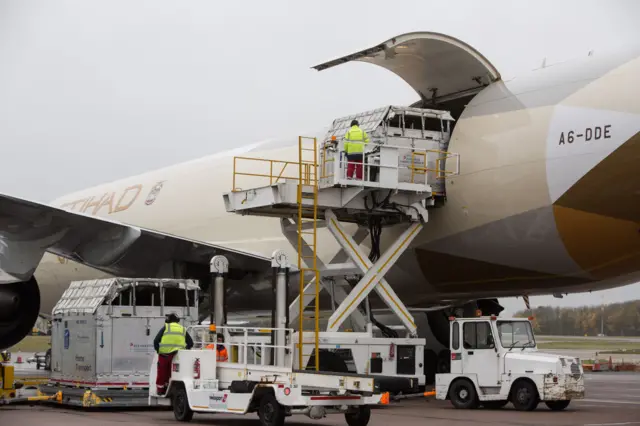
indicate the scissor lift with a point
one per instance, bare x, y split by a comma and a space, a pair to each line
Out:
399, 166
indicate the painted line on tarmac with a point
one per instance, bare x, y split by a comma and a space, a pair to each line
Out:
612, 424
632, 396
608, 401
596, 405
600, 387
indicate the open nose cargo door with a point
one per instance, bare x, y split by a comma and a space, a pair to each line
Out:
438, 67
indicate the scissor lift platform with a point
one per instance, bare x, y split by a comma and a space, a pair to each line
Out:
391, 183
350, 204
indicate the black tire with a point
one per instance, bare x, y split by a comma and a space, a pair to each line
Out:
360, 417
462, 394
495, 405
271, 413
180, 403
557, 405
524, 396
47, 360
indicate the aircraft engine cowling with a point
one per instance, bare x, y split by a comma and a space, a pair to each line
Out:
19, 308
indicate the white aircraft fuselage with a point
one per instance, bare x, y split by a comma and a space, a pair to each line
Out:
547, 201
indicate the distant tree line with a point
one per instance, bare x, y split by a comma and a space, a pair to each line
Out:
620, 319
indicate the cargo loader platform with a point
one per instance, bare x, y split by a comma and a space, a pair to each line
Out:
393, 185
348, 204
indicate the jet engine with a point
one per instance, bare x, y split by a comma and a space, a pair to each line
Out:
19, 308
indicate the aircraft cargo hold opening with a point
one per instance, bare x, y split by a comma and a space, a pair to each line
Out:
445, 72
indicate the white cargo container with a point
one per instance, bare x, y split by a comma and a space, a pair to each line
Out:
401, 140
103, 330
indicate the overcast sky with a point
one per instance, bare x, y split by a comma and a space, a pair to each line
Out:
91, 91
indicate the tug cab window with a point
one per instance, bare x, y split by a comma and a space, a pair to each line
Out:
477, 335
455, 336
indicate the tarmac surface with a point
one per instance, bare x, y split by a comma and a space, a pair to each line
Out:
613, 399
585, 354
544, 338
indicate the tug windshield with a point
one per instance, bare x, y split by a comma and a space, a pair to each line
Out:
516, 334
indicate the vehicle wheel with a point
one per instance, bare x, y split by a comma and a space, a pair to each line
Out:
47, 360
180, 402
524, 396
360, 417
462, 394
494, 405
271, 413
557, 405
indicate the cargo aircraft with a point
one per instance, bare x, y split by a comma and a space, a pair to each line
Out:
547, 200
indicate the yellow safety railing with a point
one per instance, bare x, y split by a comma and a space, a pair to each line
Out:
420, 159
307, 261
272, 171
440, 171
413, 167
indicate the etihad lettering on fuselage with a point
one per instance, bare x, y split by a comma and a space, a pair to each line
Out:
109, 202
589, 134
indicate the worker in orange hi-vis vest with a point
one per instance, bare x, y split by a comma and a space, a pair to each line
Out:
222, 355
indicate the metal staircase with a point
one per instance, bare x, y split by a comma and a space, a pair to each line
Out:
307, 225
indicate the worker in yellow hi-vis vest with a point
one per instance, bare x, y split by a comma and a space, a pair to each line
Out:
355, 140
169, 340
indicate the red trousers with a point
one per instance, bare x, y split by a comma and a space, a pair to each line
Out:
164, 372
351, 166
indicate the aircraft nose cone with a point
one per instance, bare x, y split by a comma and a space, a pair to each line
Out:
598, 218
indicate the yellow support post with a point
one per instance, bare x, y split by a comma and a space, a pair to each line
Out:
308, 176
7, 377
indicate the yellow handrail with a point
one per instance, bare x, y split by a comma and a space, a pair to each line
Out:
441, 172
413, 168
273, 166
